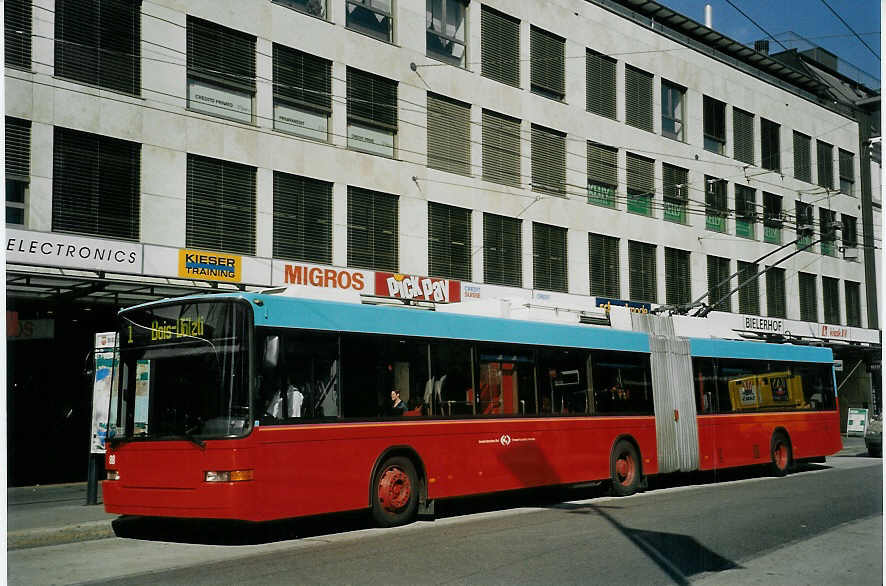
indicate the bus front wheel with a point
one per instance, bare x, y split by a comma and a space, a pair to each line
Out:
782, 457
395, 492
625, 469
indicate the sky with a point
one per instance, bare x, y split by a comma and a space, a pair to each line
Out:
810, 19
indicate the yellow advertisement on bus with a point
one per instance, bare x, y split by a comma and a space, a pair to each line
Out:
771, 390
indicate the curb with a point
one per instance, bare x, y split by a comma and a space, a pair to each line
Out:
27, 538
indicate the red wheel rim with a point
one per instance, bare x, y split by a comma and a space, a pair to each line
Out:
781, 456
394, 489
625, 469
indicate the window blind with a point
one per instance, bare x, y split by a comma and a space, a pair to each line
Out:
449, 135
718, 270
638, 98
743, 135
825, 159
808, 302
502, 251
600, 84
501, 149
500, 46
302, 79
770, 145
641, 264
18, 148
802, 157
749, 293
830, 299
372, 99
17, 33
549, 257
220, 54
776, 303
604, 265
853, 304
677, 277
302, 218
373, 230
220, 206
548, 161
547, 73
449, 246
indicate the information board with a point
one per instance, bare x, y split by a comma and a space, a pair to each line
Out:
858, 422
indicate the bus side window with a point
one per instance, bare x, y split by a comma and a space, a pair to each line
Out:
562, 387
622, 382
505, 381
705, 384
451, 389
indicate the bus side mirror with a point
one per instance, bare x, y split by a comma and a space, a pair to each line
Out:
272, 352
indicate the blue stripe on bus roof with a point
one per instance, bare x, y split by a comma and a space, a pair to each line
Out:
758, 350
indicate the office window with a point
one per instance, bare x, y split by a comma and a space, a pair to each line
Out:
825, 164
678, 288
302, 93
850, 236
719, 283
772, 219
641, 264
449, 241
673, 98
17, 33
548, 161
221, 71
770, 145
641, 184
95, 185
99, 42
743, 135
547, 72
501, 149
313, 7
371, 17
449, 135
220, 206
373, 230
853, 303
714, 125
302, 218
600, 84
830, 299
549, 258
18, 169
445, 23
602, 174
805, 224
372, 113
715, 204
500, 46
745, 212
847, 172
808, 301
776, 300
749, 291
827, 222
675, 183
604, 265
502, 251
638, 98
802, 157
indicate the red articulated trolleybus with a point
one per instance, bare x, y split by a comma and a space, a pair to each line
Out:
257, 406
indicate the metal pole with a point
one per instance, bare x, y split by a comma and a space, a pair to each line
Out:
92, 481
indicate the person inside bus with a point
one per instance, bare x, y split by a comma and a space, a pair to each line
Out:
398, 407
415, 407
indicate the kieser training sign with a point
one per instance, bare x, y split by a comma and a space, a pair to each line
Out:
210, 266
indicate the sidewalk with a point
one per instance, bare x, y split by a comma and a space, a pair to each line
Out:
58, 513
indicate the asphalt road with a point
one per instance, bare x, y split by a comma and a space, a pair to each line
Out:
740, 527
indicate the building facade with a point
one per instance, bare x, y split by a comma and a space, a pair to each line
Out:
567, 152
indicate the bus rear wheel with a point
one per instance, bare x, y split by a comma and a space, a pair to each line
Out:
624, 468
394, 492
782, 457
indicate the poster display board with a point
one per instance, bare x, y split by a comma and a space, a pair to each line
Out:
103, 385
858, 421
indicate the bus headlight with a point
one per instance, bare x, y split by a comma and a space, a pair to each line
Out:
227, 475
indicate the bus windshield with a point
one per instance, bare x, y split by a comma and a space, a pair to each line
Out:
183, 372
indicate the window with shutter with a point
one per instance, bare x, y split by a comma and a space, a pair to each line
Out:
302, 93
677, 277
719, 283
449, 246
827, 222
95, 185
808, 301
18, 169
849, 226
853, 304
501, 149
641, 264
745, 212
445, 23
604, 265
672, 110
449, 135
847, 172
302, 218
770, 145
220, 206
547, 74
802, 157
641, 184
749, 292
373, 230
714, 125
372, 113
549, 258
600, 84
548, 161
825, 164
221, 71
638, 98
805, 223
313, 7
830, 300
715, 204
502, 251
371, 17
99, 42
675, 184
500, 46
772, 219
776, 301
602, 174
743, 135
17, 33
